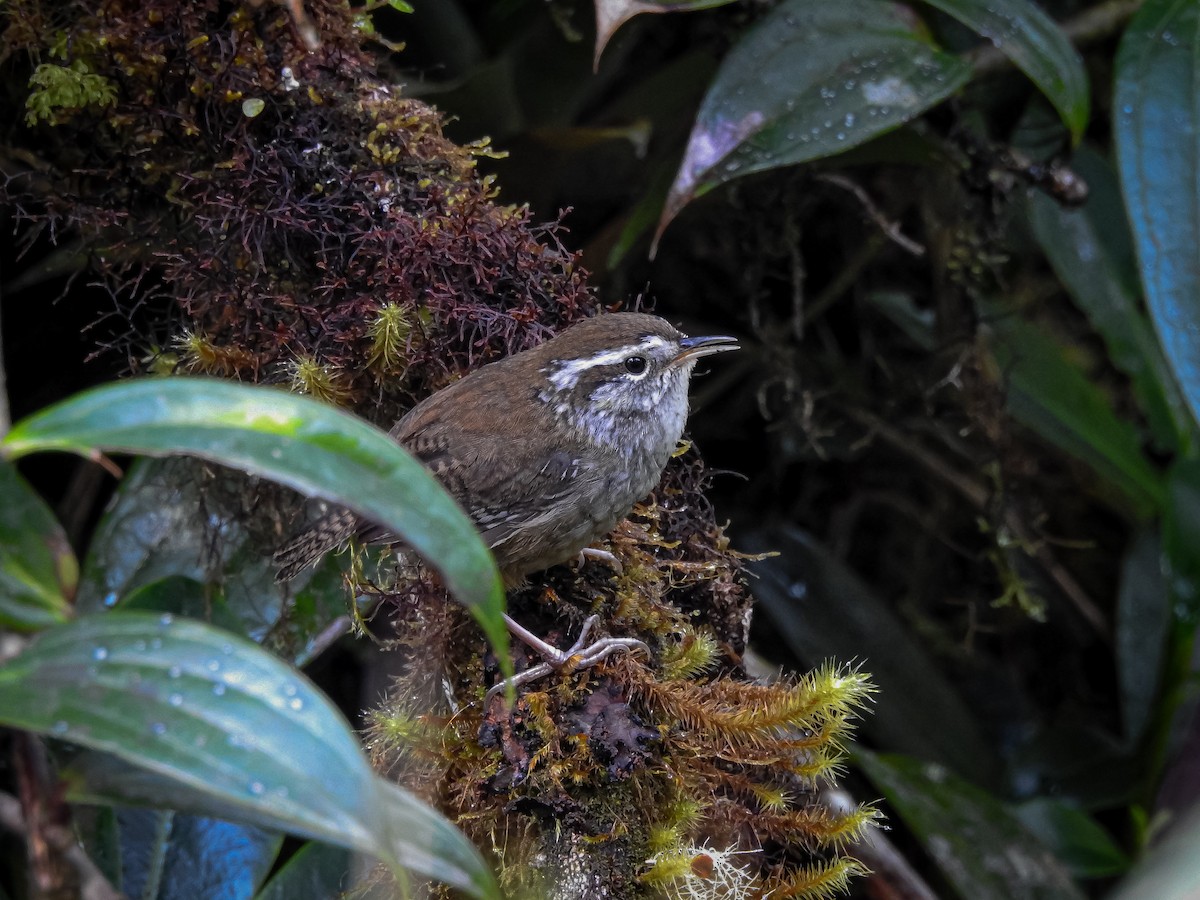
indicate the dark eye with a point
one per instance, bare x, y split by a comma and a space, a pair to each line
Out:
635, 365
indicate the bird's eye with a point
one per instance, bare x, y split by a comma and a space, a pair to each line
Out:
636, 365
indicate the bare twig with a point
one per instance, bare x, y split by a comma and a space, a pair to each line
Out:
888, 227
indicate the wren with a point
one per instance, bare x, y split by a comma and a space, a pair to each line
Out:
546, 450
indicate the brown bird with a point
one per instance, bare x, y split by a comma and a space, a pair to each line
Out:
546, 450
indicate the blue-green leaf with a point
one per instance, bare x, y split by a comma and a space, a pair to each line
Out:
1036, 45
809, 80
1157, 104
171, 856
38, 572
296, 441
242, 734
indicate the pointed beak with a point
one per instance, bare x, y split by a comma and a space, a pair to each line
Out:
691, 348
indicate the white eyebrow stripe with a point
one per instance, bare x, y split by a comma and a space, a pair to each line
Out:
566, 374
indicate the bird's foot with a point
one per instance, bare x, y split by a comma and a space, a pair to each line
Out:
604, 556
580, 655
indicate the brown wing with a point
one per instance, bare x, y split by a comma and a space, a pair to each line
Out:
501, 475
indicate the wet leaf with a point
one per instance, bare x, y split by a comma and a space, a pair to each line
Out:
242, 734
1157, 126
306, 445
810, 80
169, 543
38, 573
982, 849
1036, 45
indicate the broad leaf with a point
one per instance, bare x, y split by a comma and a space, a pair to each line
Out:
174, 540
240, 732
1084, 847
1036, 45
809, 80
306, 445
38, 572
317, 870
982, 849
170, 856
1157, 107
1049, 394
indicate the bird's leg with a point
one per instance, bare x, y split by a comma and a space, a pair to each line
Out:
579, 655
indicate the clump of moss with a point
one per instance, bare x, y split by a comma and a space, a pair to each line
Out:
310, 226
672, 775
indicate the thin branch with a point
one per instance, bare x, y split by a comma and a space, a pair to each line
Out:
888, 227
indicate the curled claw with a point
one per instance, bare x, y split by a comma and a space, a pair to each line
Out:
579, 655
603, 556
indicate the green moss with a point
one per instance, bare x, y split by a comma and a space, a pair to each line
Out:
59, 91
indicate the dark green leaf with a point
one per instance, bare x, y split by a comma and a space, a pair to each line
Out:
1092, 253
1181, 538
1157, 125
309, 446
1143, 622
168, 856
1049, 394
1086, 848
317, 870
1036, 45
807, 81
233, 726
982, 849
38, 573
170, 542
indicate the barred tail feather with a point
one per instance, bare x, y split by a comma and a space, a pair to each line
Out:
309, 546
